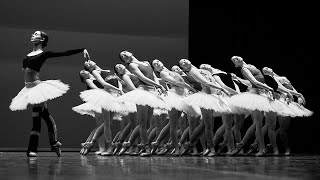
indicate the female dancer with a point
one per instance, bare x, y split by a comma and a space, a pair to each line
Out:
256, 101
192, 120
224, 80
285, 89
87, 78
174, 99
130, 82
105, 102
145, 96
37, 92
209, 103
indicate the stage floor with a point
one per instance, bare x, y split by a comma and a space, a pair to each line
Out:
72, 165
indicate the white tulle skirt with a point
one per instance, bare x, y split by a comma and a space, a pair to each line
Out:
99, 100
255, 100
302, 111
84, 109
38, 92
207, 101
145, 96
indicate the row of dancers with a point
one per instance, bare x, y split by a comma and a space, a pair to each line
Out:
165, 114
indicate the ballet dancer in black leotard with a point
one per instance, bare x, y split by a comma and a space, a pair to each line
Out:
37, 92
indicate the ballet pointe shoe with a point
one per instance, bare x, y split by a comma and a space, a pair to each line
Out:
32, 154
212, 152
261, 153
237, 149
288, 152
187, 147
145, 151
56, 148
88, 146
221, 148
134, 150
154, 147
117, 148
125, 147
252, 148
109, 151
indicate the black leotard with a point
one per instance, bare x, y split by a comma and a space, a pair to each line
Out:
35, 62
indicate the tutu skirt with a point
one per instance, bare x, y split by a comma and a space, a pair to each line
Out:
207, 101
100, 99
84, 109
38, 92
145, 96
255, 100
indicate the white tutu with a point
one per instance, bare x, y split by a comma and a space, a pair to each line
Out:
256, 100
38, 92
303, 112
85, 109
145, 96
101, 99
207, 101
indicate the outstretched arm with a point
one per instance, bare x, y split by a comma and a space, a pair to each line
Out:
198, 77
51, 54
165, 76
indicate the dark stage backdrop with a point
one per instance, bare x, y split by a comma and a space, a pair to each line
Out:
150, 29
282, 38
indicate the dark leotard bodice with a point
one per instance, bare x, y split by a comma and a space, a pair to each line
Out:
32, 64
226, 78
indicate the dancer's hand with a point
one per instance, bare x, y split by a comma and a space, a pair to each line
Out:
225, 91
86, 54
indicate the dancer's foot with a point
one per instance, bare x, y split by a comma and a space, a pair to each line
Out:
288, 152
261, 153
146, 151
187, 147
109, 151
88, 146
117, 148
154, 147
238, 148
56, 148
212, 152
32, 154
195, 152
253, 148
221, 148
125, 147
134, 150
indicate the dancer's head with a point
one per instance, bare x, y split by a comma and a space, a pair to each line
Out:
120, 69
185, 64
126, 56
40, 37
267, 71
157, 65
89, 65
237, 61
176, 69
84, 75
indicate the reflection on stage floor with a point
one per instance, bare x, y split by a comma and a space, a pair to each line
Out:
72, 165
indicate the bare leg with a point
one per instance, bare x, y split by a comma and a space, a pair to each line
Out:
284, 123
